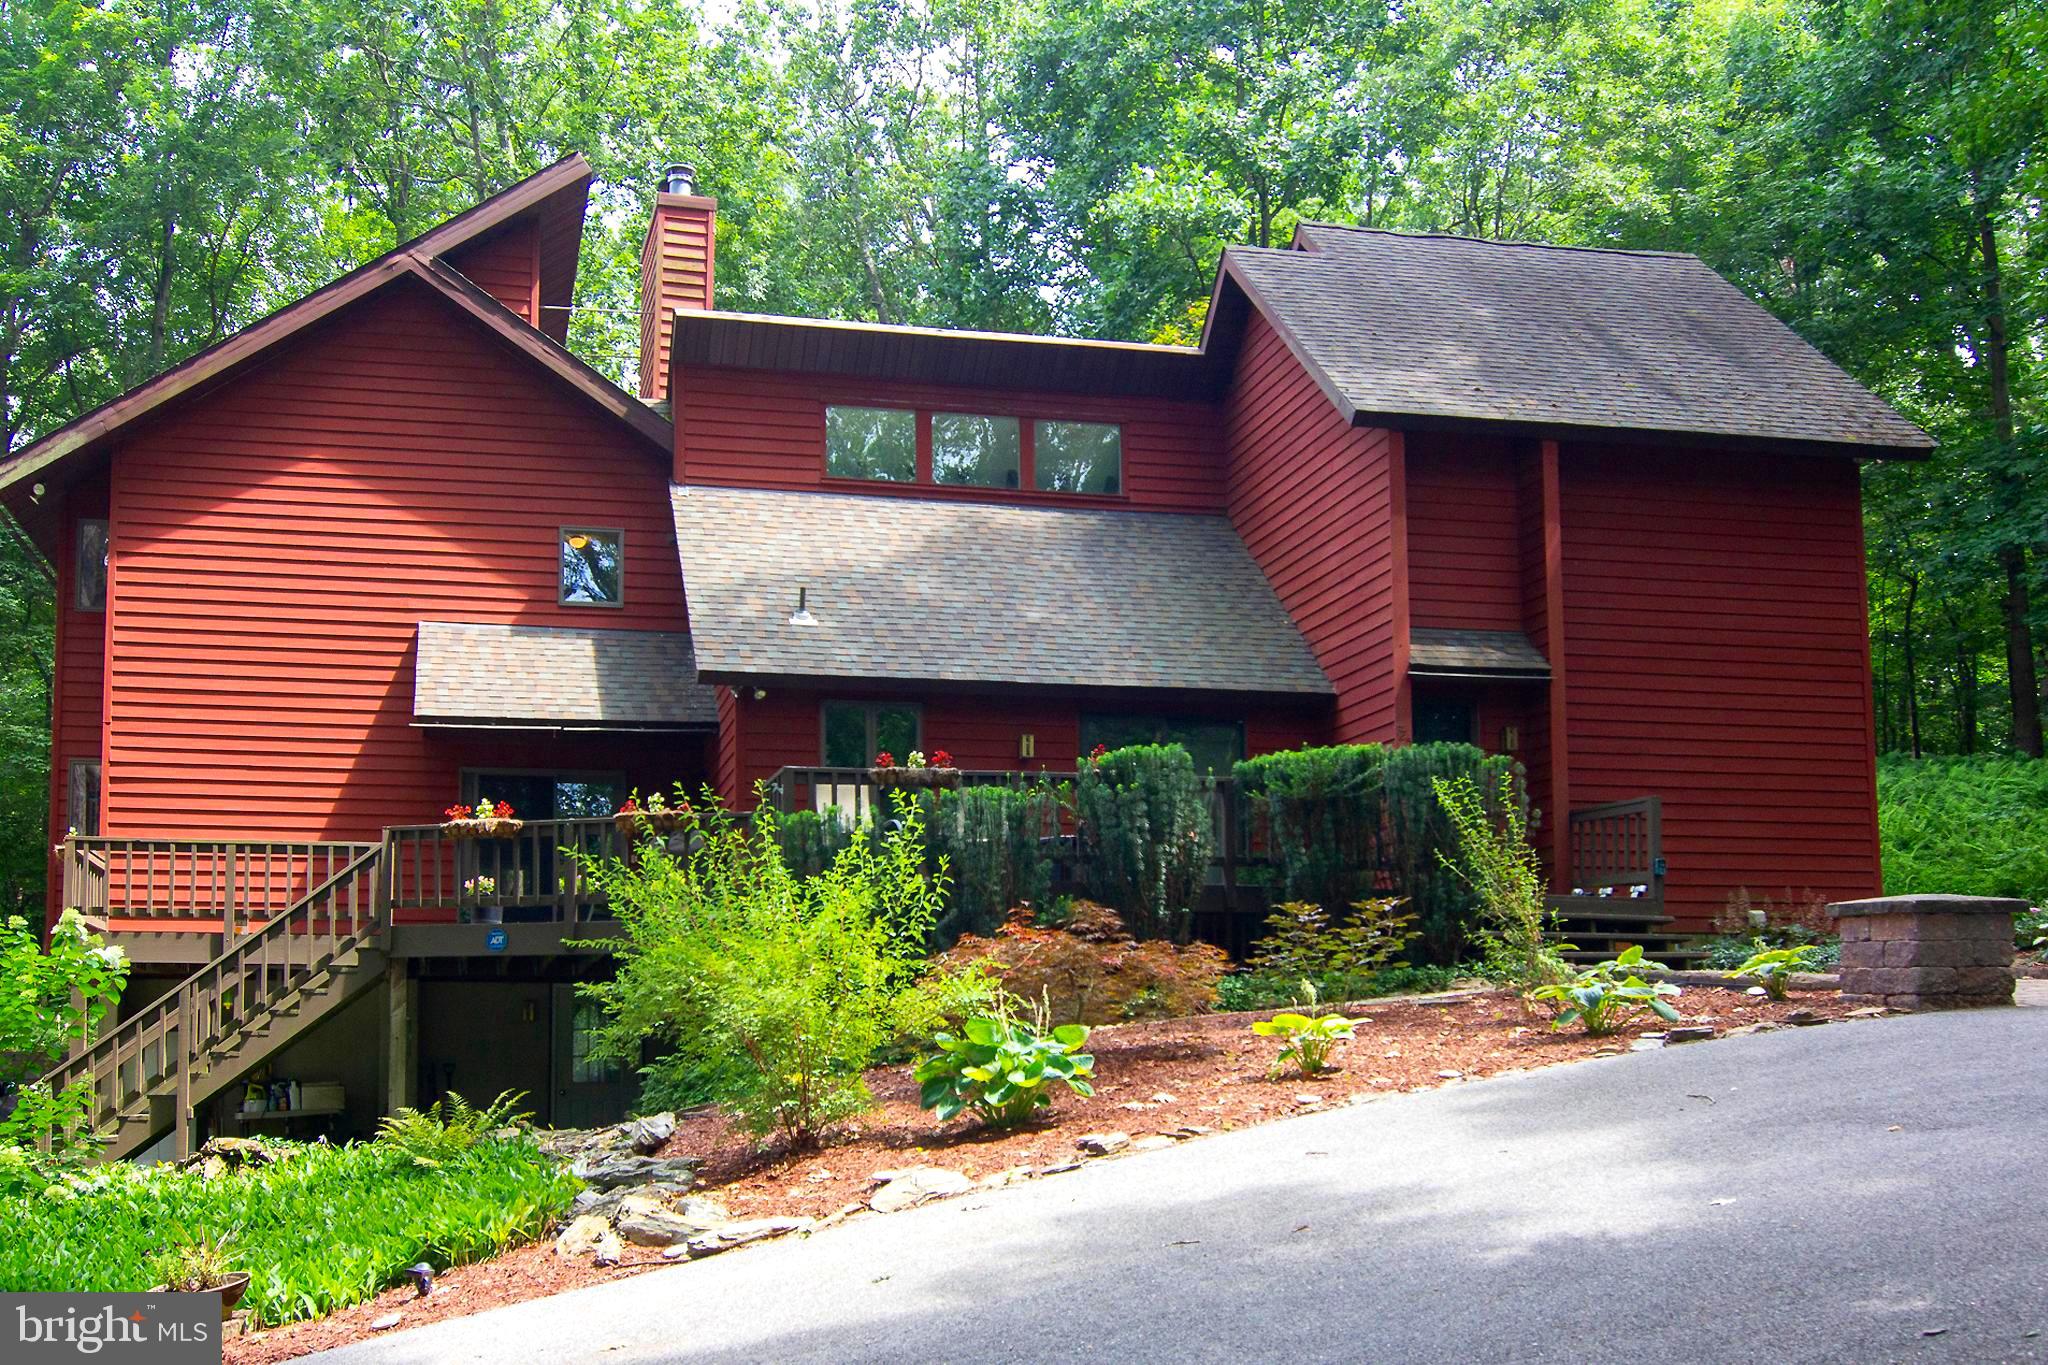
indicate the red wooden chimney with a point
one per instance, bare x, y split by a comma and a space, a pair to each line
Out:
675, 269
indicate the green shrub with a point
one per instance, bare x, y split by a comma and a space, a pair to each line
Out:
54, 996
1145, 833
1605, 996
319, 1230
1352, 822
1003, 1069
1726, 952
992, 841
724, 954
810, 840
1306, 1040
1322, 811
2030, 931
1300, 940
1495, 860
1972, 826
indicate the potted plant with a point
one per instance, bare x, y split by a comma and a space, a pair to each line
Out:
481, 893
917, 771
200, 1267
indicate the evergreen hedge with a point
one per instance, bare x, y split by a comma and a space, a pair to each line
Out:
1145, 836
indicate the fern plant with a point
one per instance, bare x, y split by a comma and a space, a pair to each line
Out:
448, 1127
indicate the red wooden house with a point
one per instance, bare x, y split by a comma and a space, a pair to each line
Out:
394, 547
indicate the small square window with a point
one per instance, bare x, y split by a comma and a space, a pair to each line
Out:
981, 451
89, 577
593, 567
871, 443
1079, 457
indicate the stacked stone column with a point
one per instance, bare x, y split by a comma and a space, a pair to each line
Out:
1927, 952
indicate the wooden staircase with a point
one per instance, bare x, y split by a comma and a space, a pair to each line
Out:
1617, 873
149, 1074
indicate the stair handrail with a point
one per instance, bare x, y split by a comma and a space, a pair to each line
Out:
220, 983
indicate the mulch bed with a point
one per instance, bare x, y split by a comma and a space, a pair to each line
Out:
1162, 1077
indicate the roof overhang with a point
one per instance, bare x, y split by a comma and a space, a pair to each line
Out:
1475, 655
866, 350
490, 676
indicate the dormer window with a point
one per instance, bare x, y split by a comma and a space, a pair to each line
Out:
871, 443
593, 567
983, 452
89, 569
1079, 457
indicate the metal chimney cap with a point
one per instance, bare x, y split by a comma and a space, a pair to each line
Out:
679, 178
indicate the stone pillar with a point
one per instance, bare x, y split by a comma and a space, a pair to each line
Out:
1927, 952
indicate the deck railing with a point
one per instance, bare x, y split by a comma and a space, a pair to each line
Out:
159, 1049
226, 887
536, 875
1619, 844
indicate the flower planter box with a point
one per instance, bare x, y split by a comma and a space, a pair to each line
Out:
914, 779
631, 822
482, 829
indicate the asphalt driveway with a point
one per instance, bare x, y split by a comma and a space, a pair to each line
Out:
1868, 1191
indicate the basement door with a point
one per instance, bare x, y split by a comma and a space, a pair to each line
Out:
588, 1092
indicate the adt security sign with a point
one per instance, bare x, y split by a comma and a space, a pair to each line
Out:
496, 940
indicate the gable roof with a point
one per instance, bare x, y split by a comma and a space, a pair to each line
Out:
972, 592
417, 259
1404, 329
500, 676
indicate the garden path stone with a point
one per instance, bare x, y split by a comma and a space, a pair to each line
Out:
919, 1185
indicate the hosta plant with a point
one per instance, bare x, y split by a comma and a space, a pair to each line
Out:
1002, 1069
1307, 1041
1605, 996
1773, 967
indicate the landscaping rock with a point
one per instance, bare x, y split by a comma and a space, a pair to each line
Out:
583, 1235
646, 1135
1102, 1144
608, 1172
726, 1236
386, 1323
1189, 1130
1804, 1018
648, 1222
607, 1251
919, 1185
1695, 1033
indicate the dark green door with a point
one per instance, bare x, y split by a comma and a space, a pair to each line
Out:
588, 1092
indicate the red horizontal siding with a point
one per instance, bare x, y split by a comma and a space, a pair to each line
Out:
678, 261
506, 265
1318, 503
278, 543
1464, 534
1714, 633
761, 430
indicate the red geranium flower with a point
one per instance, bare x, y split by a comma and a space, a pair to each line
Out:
941, 759
1098, 751
885, 759
629, 806
457, 813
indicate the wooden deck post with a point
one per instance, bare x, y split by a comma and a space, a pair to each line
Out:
183, 1117
401, 1035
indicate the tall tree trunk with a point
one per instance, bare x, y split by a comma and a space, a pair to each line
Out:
1912, 670
2023, 681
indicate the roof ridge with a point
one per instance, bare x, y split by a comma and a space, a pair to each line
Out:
1492, 241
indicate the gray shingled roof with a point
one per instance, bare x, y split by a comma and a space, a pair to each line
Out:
471, 674
978, 592
1458, 328
1470, 653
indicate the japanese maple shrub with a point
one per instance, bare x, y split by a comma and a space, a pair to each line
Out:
780, 988
1090, 970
